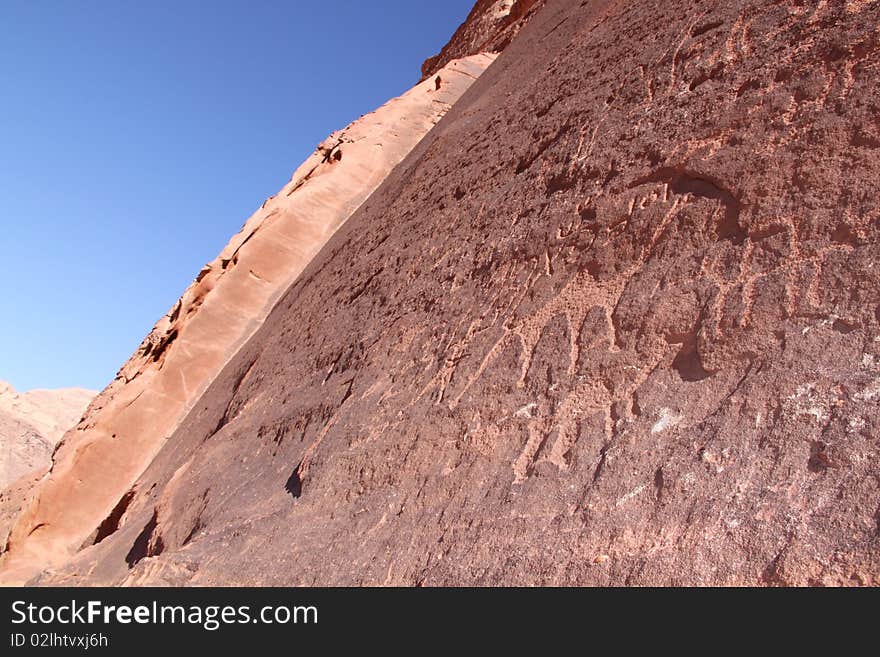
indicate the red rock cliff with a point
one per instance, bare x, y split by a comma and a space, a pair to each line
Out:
490, 27
100, 460
613, 321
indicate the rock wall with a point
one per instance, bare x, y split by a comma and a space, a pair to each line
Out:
613, 321
129, 422
31, 424
490, 27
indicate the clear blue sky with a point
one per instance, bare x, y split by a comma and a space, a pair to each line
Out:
137, 137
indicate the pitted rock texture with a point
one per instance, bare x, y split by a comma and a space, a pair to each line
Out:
128, 423
490, 27
614, 321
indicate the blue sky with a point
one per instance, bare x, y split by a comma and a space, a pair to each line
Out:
137, 137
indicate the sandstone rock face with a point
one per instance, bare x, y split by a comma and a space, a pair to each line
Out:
490, 27
32, 423
128, 424
613, 321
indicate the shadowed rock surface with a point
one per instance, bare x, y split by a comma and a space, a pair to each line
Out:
613, 321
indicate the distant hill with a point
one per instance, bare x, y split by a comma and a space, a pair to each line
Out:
32, 423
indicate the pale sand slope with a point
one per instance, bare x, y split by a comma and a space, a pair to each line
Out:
128, 423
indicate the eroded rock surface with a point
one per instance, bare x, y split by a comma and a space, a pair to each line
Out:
32, 423
490, 27
129, 422
614, 321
